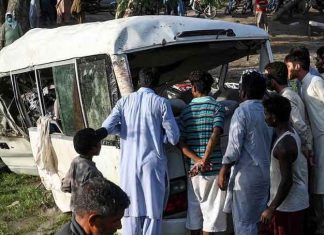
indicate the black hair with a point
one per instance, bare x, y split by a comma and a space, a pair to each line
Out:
201, 80
85, 139
301, 49
299, 57
279, 106
278, 71
253, 84
148, 77
100, 196
320, 52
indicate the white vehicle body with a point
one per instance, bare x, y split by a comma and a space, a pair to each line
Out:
92, 65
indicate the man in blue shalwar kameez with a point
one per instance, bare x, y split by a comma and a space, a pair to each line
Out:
144, 122
248, 151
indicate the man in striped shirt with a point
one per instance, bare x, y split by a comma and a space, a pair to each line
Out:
201, 124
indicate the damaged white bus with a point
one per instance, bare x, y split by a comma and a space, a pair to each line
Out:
72, 76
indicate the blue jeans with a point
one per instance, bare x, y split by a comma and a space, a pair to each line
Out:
181, 8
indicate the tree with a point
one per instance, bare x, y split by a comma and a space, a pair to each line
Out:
3, 9
128, 8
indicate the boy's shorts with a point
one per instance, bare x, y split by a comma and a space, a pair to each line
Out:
205, 204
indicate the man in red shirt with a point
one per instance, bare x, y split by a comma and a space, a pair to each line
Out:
261, 14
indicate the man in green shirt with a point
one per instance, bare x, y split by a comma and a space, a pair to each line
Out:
201, 125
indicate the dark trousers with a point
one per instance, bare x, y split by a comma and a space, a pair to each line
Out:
284, 223
315, 220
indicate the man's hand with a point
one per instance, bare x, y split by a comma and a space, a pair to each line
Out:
309, 155
223, 176
267, 215
194, 170
205, 165
200, 166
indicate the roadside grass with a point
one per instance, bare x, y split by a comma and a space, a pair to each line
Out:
27, 207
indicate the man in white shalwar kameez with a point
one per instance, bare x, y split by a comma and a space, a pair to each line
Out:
277, 79
312, 93
144, 122
248, 151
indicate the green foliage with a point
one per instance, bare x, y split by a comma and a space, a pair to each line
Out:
27, 208
138, 7
121, 7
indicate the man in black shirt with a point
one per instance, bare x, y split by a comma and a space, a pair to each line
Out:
98, 206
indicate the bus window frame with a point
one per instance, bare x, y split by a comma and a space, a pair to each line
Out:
73, 62
108, 62
20, 106
17, 101
36, 69
112, 99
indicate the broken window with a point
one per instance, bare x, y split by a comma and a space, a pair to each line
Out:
98, 88
9, 114
47, 89
174, 63
28, 97
67, 93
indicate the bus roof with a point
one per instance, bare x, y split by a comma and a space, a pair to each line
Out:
42, 46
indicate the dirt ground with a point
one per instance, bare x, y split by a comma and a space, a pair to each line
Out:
289, 32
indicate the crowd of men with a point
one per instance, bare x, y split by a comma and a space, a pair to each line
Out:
270, 179
51, 12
